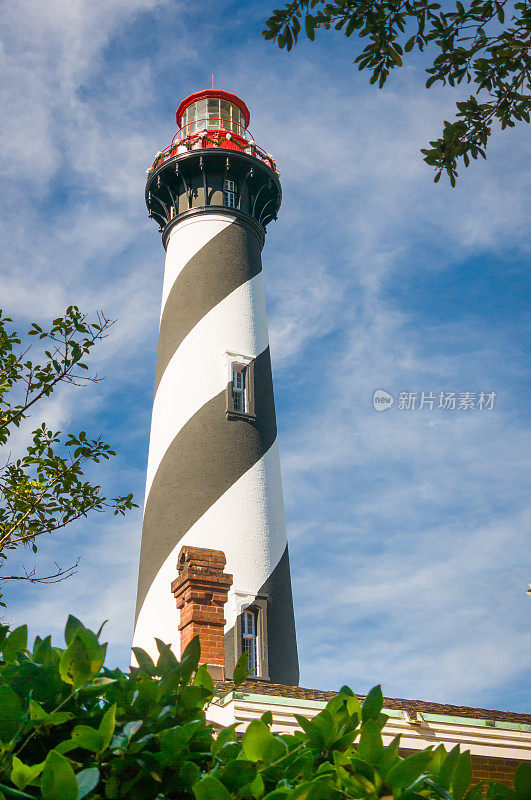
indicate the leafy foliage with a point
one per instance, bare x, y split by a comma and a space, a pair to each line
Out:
70, 728
44, 490
476, 43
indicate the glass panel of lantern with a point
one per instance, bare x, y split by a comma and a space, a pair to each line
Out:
230, 124
213, 112
200, 113
184, 121
224, 109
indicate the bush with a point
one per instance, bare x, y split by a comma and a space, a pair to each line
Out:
70, 728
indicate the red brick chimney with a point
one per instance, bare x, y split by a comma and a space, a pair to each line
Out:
201, 590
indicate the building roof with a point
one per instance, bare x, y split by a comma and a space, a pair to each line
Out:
257, 687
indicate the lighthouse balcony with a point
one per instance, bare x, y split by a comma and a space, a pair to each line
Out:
208, 138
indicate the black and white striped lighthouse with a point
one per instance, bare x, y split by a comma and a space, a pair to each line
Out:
213, 475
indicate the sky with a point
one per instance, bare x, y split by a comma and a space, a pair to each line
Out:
408, 527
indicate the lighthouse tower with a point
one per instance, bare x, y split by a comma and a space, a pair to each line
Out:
213, 475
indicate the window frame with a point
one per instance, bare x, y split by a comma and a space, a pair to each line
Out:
245, 366
246, 612
230, 193
258, 604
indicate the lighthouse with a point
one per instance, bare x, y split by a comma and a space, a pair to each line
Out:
213, 475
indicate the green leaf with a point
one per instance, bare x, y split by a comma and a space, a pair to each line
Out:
97, 688
373, 704
211, 789
7, 791
254, 789
83, 658
499, 791
315, 739
145, 662
259, 744
325, 725
267, 718
174, 741
189, 773
131, 728
107, 726
240, 670
96, 741
66, 746
40, 716
448, 767
475, 792
192, 651
353, 704
72, 624
309, 25
522, 781
88, 738
237, 773
370, 747
204, 678
396, 58
166, 661
87, 780
462, 775
58, 781
225, 736
409, 769
15, 644
22, 774
10, 714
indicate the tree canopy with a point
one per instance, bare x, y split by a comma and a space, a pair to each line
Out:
43, 489
481, 43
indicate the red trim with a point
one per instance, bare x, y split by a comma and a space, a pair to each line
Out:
241, 140
206, 93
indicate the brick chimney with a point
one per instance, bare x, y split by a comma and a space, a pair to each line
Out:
201, 590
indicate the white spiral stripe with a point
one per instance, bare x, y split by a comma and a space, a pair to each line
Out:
197, 371
247, 523
187, 239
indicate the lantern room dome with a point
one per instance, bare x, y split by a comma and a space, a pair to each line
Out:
212, 109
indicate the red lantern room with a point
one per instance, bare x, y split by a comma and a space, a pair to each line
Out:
212, 163
213, 110
213, 118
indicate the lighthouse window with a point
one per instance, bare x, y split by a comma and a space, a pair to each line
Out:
238, 388
229, 194
250, 639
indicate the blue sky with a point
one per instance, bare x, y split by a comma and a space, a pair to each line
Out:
408, 529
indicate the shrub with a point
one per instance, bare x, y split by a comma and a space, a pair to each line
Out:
70, 728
